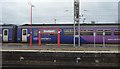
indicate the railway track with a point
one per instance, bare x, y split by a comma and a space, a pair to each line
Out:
75, 59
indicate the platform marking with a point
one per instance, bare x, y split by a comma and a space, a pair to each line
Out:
60, 51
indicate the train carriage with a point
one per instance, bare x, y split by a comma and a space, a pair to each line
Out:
8, 33
88, 33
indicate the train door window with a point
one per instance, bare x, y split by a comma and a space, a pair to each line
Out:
117, 33
24, 32
35, 32
24, 35
5, 35
5, 32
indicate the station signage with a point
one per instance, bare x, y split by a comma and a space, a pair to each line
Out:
48, 31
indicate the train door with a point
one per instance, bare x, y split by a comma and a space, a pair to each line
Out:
24, 35
5, 35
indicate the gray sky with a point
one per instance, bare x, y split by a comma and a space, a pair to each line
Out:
18, 11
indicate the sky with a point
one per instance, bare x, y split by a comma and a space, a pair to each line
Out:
45, 11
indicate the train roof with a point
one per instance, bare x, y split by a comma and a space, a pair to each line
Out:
8, 25
107, 24
69, 24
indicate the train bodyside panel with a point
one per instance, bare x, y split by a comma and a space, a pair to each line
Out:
109, 36
10, 35
68, 37
45, 38
23, 35
19, 34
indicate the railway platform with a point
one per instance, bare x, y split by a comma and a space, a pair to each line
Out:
63, 47
51, 55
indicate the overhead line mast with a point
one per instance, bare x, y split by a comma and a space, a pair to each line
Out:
76, 21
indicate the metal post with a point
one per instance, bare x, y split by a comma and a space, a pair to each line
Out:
79, 34
94, 39
39, 38
103, 38
58, 37
79, 41
31, 25
76, 20
74, 32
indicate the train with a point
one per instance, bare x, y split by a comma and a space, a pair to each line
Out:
88, 33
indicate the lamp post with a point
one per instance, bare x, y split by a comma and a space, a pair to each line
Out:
31, 6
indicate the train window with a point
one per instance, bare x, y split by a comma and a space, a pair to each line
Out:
99, 33
100, 30
107, 32
82, 32
86, 32
117, 32
68, 32
5, 32
76, 32
35, 33
24, 32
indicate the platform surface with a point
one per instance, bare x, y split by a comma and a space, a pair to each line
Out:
63, 47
